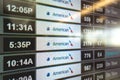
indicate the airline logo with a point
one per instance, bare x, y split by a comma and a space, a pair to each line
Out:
69, 43
70, 16
71, 70
58, 14
70, 30
58, 29
67, 57
61, 72
71, 57
71, 2
58, 72
64, 1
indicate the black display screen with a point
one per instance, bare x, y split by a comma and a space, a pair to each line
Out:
87, 67
18, 26
88, 19
100, 76
99, 54
100, 65
89, 77
86, 5
19, 8
19, 44
87, 55
99, 20
86, 43
18, 62
31, 75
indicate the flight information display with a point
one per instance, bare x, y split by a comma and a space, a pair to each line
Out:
59, 40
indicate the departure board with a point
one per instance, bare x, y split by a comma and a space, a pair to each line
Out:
59, 40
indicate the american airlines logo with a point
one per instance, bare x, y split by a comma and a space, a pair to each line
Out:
70, 29
58, 58
64, 1
70, 16
71, 70
71, 57
57, 29
69, 43
67, 71
58, 14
